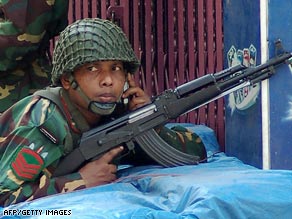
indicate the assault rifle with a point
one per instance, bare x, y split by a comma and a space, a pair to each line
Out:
138, 126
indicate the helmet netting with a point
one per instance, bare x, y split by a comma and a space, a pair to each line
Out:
89, 40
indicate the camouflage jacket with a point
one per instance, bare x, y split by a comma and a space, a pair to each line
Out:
35, 136
26, 30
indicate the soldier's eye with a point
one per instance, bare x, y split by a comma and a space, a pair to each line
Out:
92, 68
117, 68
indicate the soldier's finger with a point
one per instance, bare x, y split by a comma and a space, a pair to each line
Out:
113, 168
131, 80
110, 155
112, 178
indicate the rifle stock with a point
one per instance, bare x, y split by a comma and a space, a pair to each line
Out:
137, 126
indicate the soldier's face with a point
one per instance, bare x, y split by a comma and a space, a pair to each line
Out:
101, 81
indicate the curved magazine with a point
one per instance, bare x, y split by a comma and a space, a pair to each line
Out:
162, 152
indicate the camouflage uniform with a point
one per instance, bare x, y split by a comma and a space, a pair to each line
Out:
26, 30
37, 134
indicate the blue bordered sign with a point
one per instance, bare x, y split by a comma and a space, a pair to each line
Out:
245, 97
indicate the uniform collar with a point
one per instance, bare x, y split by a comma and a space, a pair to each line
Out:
76, 120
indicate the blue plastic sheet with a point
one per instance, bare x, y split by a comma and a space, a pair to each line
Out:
223, 187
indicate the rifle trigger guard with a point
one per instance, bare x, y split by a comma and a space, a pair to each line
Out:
130, 145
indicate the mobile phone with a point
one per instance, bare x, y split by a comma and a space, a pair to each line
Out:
125, 101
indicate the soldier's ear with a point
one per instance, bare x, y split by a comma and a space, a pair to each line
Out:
65, 81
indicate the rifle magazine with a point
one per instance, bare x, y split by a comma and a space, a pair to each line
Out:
162, 152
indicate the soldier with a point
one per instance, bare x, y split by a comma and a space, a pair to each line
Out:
26, 30
92, 61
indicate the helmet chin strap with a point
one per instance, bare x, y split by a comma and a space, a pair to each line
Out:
96, 107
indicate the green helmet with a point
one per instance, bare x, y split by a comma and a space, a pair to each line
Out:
89, 40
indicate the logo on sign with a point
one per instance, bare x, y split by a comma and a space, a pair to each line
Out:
245, 97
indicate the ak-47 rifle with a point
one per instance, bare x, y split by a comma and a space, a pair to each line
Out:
138, 126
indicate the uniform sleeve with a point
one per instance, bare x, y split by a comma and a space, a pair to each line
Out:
183, 140
42, 187
32, 148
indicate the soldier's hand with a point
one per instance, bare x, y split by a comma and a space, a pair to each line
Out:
101, 171
137, 97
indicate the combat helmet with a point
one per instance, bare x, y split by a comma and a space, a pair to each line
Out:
89, 40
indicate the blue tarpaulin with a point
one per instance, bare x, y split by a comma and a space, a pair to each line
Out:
224, 187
